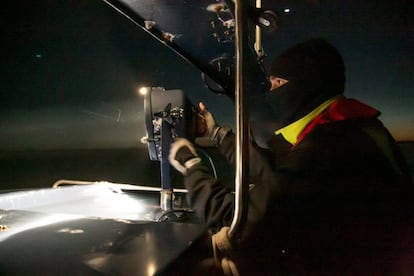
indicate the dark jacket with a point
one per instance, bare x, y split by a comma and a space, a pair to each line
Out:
337, 201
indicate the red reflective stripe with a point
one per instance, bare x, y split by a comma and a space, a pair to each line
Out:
339, 110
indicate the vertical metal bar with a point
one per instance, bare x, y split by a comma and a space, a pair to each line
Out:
165, 147
258, 47
241, 110
166, 188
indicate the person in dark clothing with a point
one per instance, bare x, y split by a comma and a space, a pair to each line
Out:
331, 191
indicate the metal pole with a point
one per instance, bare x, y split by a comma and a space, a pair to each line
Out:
258, 47
166, 192
241, 110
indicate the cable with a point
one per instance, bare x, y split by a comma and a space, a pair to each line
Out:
173, 211
203, 77
210, 161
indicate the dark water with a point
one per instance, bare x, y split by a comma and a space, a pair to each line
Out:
25, 169
34, 169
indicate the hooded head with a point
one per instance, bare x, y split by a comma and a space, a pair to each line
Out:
314, 71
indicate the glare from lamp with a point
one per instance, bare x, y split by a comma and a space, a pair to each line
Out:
143, 90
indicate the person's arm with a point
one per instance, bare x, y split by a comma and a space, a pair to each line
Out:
259, 161
212, 201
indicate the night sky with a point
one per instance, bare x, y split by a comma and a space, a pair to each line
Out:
70, 69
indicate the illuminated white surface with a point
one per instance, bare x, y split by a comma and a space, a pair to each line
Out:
97, 200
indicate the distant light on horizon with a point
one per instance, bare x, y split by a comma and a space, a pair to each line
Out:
286, 10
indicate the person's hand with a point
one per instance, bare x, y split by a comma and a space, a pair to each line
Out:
182, 155
198, 126
213, 134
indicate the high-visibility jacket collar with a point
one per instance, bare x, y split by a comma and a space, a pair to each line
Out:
337, 108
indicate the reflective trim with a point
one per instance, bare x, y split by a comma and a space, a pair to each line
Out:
292, 131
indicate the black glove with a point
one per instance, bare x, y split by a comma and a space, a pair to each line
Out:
214, 133
183, 155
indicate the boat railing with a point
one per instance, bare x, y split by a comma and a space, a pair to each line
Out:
70, 182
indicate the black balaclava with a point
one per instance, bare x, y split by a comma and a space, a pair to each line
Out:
315, 72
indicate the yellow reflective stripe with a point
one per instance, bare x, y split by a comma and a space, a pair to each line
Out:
293, 130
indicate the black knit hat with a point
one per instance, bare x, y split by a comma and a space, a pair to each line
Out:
314, 61
315, 72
